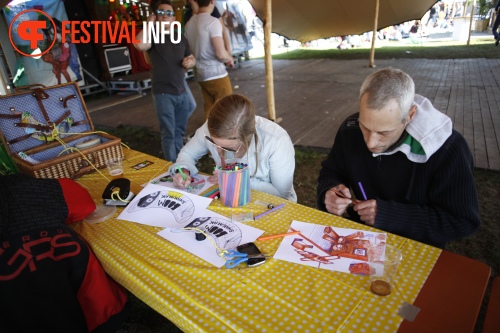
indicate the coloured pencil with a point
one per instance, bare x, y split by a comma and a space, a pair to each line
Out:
183, 175
362, 190
211, 192
343, 196
214, 195
277, 236
269, 211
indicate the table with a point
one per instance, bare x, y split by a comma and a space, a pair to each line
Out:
279, 296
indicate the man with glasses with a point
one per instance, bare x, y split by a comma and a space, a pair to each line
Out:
409, 171
205, 35
170, 93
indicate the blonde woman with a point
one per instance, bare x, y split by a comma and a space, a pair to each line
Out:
232, 130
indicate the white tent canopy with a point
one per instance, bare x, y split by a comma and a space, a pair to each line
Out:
313, 19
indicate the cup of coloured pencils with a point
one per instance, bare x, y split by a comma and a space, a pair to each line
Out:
234, 184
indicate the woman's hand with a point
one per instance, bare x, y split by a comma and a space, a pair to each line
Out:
179, 181
214, 179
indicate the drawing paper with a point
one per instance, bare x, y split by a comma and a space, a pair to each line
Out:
223, 232
199, 183
332, 248
164, 207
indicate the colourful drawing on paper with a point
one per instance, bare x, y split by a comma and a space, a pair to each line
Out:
198, 182
331, 248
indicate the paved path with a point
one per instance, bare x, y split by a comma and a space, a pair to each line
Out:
314, 96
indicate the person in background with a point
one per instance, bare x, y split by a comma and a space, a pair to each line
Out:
204, 33
400, 157
135, 14
414, 28
192, 9
494, 28
120, 14
172, 100
234, 131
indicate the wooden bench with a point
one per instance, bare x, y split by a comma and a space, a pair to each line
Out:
492, 320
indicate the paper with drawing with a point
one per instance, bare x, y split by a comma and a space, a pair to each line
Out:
224, 233
199, 183
163, 207
174, 210
335, 249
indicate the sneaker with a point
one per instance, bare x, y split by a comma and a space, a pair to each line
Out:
133, 328
497, 40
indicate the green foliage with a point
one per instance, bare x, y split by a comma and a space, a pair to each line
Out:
483, 6
7, 165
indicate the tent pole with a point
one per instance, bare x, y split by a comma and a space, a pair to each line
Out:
269, 60
374, 35
471, 20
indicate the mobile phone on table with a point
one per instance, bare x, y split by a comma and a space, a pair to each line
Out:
251, 248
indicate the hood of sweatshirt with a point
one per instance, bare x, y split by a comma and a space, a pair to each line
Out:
427, 132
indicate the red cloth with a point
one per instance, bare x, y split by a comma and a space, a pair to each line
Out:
137, 60
80, 203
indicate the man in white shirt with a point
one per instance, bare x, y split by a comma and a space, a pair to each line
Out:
204, 34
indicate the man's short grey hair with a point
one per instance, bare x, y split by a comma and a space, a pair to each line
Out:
387, 84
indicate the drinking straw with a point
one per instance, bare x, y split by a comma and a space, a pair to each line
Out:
247, 185
226, 186
230, 189
242, 187
236, 198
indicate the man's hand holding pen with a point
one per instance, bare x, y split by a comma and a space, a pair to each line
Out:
338, 198
367, 211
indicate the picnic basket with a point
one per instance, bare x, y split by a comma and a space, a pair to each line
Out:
48, 132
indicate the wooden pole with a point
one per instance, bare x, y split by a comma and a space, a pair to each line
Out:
269, 61
374, 36
471, 20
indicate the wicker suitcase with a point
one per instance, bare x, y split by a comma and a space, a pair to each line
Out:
43, 127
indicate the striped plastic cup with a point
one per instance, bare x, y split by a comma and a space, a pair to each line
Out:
234, 187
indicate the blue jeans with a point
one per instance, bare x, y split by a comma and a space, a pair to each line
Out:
192, 102
173, 112
495, 27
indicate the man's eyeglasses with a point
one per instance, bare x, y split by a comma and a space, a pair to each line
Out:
209, 139
168, 13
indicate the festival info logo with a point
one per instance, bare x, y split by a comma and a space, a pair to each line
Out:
32, 31
38, 35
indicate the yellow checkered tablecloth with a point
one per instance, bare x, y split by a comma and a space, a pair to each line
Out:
278, 296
